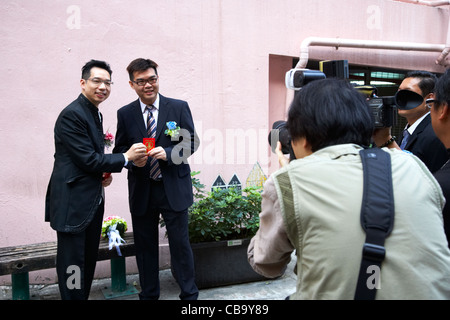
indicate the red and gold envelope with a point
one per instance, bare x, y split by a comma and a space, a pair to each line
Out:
149, 143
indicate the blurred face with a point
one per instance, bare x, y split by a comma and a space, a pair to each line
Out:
146, 85
96, 88
412, 84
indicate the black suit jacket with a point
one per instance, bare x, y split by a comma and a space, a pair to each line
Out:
75, 188
426, 145
175, 171
443, 177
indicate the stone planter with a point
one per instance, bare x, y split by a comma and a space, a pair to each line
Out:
222, 263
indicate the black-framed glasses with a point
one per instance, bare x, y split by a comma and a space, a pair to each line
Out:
429, 102
98, 82
143, 82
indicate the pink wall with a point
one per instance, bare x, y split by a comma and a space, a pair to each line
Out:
224, 57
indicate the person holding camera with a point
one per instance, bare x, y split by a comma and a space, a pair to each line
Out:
440, 119
312, 205
418, 136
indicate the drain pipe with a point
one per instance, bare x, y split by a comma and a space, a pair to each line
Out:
427, 3
441, 59
363, 44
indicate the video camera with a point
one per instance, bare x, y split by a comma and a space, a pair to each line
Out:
298, 78
384, 109
295, 80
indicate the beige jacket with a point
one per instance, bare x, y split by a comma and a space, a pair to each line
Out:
327, 189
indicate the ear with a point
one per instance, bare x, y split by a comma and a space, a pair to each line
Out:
131, 84
443, 111
83, 84
301, 147
306, 144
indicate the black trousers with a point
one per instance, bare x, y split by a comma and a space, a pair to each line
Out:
76, 259
146, 240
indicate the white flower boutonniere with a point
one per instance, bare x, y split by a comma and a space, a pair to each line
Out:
172, 129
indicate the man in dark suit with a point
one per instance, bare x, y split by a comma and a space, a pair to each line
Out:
440, 119
75, 196
164, 185
419, 137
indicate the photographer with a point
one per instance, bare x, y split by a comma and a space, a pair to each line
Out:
313, 204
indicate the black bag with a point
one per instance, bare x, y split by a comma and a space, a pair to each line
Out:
377, 217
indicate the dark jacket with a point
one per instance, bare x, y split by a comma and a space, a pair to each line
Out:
175, 171
443, 177
426, 145
75, 188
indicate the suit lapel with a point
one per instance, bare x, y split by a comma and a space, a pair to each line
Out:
92, 116
164, 108
138, 118
420, 128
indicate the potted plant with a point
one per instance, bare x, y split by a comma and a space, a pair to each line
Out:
221, 224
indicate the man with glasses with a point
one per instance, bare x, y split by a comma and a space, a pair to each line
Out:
440, 120
164, 185
418, 136
75, 196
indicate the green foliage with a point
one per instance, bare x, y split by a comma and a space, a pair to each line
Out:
223, 214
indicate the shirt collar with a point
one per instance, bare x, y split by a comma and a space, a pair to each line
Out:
416, 124
155, 104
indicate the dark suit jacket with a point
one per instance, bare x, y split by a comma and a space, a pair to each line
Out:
443, 177
426, 145
75, 188
175, 171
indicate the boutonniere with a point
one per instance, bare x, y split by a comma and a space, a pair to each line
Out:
108, 138
172, 129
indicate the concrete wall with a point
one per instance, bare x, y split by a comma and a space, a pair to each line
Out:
226, 58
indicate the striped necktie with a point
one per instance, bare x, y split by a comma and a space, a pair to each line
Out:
155, 172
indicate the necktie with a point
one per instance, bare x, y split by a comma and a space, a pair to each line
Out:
155, 172
406, 136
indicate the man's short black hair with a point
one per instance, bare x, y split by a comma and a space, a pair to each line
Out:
140, 65
86, 70
427, 80
329, 112
442, 89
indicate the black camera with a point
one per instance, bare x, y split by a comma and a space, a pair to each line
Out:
384, 111
297, 78
280, 133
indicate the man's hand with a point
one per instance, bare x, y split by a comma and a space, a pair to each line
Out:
138, 154
107, 179
282, 159
158, 153
382, 135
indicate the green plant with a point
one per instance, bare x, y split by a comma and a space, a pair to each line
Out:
223, 214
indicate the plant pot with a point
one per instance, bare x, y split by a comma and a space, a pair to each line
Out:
222, 263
